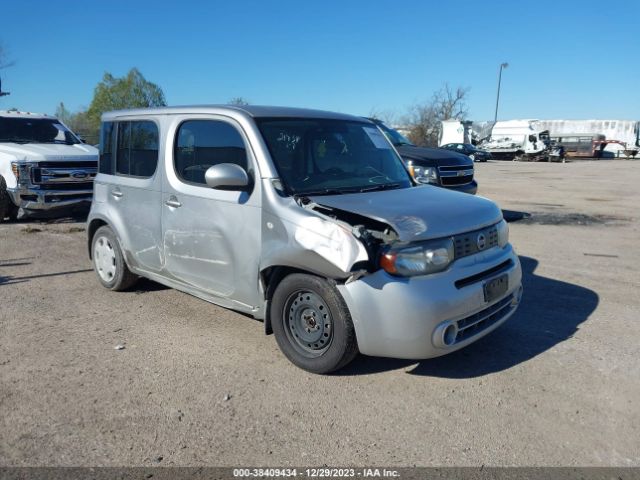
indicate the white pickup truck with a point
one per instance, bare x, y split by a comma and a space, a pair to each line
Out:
43, 164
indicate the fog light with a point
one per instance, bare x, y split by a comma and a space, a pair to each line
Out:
445, 334
517, 297
449, 335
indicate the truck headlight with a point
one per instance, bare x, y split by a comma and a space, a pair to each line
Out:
503, 233
428, 257
16, 170
423, 174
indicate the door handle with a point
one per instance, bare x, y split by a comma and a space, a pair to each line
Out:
173, 202
116, 192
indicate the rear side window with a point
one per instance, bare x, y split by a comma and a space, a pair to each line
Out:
106, 146
201, 144
137, 148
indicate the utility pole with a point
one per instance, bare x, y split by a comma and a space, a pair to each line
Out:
3, 94
502, 66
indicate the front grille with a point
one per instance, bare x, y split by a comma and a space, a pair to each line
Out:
454, 175
476, 323
74, 165
64, 175
466, 244
453, 181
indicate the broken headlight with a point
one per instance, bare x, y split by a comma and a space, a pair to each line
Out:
428, 257
503, 233
20, 171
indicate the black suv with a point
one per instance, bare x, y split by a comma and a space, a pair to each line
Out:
433, 165
469, 150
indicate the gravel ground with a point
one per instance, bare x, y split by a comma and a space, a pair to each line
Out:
200, 385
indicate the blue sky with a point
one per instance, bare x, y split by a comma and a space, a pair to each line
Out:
568, 59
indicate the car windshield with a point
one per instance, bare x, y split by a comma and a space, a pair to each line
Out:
323, 157
35, 130
394, 136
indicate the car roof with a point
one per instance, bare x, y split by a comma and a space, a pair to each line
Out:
255, 111
17, 114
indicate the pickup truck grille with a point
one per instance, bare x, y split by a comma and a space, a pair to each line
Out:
455, 175
64, 175
466, 244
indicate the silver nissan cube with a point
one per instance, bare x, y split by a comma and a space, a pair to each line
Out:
304, 219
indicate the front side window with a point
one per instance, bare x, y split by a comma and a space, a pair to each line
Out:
137, 148
200, 144
317, 156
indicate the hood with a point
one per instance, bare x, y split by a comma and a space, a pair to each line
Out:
432, 157
419, 213
49, 151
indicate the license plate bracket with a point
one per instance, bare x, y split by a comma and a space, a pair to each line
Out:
496, 287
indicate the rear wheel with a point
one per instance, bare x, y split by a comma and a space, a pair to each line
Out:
108, 261
7, 208
312, 324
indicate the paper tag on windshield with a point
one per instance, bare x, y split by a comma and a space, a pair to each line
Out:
377, 137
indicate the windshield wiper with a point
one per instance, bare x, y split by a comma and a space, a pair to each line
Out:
59, 142
325, 191
380, 186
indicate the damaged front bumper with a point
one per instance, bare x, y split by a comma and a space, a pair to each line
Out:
36, 199
415, 318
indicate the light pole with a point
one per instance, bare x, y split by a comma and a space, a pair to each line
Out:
502, 66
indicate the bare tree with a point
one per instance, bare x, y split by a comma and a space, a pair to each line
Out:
424, 119
389, 117
239, 101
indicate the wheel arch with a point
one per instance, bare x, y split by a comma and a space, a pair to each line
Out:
92, 228
270, 278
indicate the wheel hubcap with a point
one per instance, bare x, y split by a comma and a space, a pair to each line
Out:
308, 323
104, 258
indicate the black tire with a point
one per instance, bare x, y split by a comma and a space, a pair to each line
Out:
117, 276
300, 307
8, 209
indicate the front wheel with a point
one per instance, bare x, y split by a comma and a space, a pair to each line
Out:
108, 261
312, 324
7, 208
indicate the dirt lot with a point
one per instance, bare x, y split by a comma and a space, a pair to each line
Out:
200, 385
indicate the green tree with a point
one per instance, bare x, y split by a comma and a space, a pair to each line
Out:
130, 91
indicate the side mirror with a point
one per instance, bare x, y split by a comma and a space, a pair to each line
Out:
226, 175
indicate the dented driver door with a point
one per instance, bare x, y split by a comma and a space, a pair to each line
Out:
211, 237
